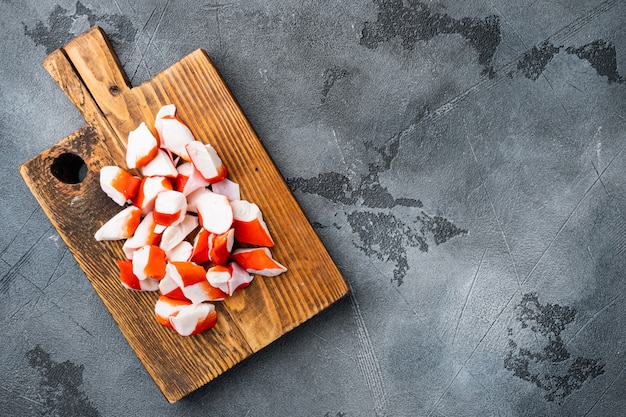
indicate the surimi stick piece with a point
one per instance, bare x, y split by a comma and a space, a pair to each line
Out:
173, 132
194, 319
141, 148
149, 262
120, 185
200, 252
220, 247
173, 235
169, 288
219, 276
161, 165
206, 160
189, 179
240, 279
249, 224
130, 281
149, 188
170, 207
167, 307
145, 234
191, 279
228, 278
214, 212
228, 188
120, 226
258, 261
180, 253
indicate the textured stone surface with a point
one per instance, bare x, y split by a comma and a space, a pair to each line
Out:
462, 162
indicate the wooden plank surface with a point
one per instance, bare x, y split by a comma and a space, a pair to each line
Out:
88, 71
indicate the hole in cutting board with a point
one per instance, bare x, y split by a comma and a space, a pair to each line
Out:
69, 168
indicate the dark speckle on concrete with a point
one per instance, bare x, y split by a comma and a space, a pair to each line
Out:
330, 185
602, 57
388, 238
550, 366
414, 21
368, 192
535, 61
381, 234
62, 26
441, 228
61, 385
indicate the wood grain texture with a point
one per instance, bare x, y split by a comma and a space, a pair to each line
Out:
88, 71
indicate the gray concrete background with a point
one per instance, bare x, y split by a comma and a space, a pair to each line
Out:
462, 162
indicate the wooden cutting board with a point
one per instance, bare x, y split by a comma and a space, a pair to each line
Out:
89, 73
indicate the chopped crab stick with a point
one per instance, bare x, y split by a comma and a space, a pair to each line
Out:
180, 253
149, 262
228, 278
191, 279
120, 185
148, 190
194, 197
220, 247
161, 165
206, 160
173, 132
194, 319
141, 148
130, 281
173, 235
145, 234
189, 179
169, 288
249, 224
241, 278
167, 307
200, 253
120, 226
257, 261
219, 276
214, 212
170, 207
228, 188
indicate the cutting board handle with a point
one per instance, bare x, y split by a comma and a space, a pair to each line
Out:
82, 69
96, 65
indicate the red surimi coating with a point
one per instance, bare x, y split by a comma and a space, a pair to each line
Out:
142, 146
145, 234
149, 262
258, 261
161, 165
206, 160
120, 226
189, 179
120, 185
130, 281
191, 280
200, 253
249, 224
193, 319
220, 247
228, 278
149, 188
170, 207
173, 132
